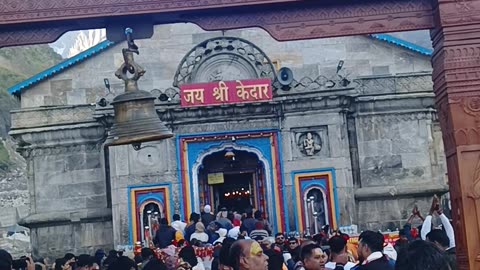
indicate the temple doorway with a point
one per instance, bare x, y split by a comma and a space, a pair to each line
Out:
233, 179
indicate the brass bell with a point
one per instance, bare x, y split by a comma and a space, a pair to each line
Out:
135, 119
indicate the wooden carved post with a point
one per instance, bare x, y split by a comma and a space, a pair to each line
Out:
456, 61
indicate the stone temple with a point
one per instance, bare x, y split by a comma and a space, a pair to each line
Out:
362, 139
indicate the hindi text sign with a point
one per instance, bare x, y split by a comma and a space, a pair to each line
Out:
215, 178
217, 93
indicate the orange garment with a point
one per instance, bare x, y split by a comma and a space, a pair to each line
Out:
353, 250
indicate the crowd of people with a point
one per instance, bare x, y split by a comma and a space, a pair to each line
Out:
243, 243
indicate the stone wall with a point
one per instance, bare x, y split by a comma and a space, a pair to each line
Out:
401, 160
66, 182
161, 54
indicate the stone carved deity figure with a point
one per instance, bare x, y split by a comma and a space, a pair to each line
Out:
309, 145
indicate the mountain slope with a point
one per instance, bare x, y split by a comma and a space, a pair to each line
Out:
16, 65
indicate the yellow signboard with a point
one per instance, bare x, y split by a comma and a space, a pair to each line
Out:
215, 178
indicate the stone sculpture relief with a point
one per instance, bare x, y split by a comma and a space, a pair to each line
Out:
224, 58
310, 143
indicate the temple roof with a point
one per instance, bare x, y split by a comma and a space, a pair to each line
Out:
60, 67
50, 72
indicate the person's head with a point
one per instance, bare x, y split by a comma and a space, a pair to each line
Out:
248, 255
176, 217
313, 257
258, 214
249, 212
402, 234
223, 212
369, 242
163, 221
122, 263
199, 227
146, 253
338, 244
181, 243
258, 225
292, 243
109, 260
70, 257
112, 253
194, 217
99, 255
439, 238
63, 264
187, 254
422, 255
236, 223
279, 239
85, 262
5, 260
225, 262
207, 209
155, 265
265, 243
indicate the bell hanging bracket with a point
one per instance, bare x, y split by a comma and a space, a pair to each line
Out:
135, 118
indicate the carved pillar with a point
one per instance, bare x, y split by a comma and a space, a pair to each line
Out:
66, 182
456, 78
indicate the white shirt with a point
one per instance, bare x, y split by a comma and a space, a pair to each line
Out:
233, 232
179, 226
332, 265
373, 257
427, 227
199, 265
203, 237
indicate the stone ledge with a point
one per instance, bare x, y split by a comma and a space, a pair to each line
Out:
372, 193
62, 218
51, 116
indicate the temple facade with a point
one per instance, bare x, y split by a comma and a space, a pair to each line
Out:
351, 140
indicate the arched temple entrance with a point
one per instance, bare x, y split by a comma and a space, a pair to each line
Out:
248, 160
234, 179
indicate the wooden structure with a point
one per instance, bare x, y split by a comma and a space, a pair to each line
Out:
455, 32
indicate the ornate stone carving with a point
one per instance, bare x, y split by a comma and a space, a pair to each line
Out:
32, 35
284, 22
321, 83
17, 10
310, 143
456, 81
223, 59
314, 21
369, 119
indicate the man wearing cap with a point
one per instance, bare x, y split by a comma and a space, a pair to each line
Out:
223, 220
235, 231
207, 215
222, 233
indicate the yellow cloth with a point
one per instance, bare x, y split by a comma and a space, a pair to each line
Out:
178, 236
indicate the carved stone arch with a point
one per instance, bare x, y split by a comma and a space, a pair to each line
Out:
238, 147
236, 57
